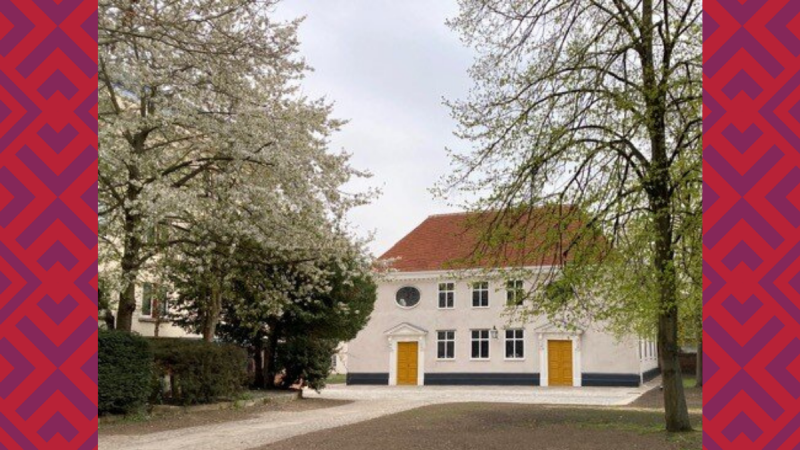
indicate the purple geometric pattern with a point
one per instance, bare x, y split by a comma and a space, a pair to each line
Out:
742, 183
742, 211
742, 140
777, 196
742, 424
742, 312
57, 140
751, 235
57, 253
742, 82
58, 311
48, 238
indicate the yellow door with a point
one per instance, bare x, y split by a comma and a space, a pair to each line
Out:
559, 363
407, 363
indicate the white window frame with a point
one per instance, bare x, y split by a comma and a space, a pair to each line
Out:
407, 307
514, 339
451, 291
475, 288
488, 340
515, 288
446, 340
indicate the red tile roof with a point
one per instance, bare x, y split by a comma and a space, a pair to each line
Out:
458, 240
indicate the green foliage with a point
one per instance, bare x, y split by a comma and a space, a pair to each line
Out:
199, 371
306, 360
124, 372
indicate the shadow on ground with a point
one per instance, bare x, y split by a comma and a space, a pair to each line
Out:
655, 399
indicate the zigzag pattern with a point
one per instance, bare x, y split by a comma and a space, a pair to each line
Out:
48, 236
751, 215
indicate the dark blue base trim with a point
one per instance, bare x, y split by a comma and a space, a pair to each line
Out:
610, 379
482, 379
650, 374
367, 378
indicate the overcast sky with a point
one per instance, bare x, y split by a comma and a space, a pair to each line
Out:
387, 65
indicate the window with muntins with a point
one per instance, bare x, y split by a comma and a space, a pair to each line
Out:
147, 299
480, 344
447, 295
446, 344
515, 344
515, 293
480, 294
154, 300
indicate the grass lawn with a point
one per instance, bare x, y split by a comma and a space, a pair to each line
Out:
336, 378
688, 381
502, 427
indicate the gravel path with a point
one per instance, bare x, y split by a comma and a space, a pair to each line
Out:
368, 403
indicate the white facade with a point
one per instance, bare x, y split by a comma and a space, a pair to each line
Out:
145, 324
597, 358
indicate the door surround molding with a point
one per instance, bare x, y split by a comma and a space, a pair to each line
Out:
406, 332
547, 335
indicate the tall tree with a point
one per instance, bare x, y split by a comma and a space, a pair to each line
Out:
267, 301
202, 122
595, 104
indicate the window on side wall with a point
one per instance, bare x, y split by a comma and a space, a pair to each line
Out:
447, 295
446, 344
515, 293
480, 344
515, 344
480, 294
147, 300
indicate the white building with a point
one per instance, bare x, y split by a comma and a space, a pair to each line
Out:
437, 326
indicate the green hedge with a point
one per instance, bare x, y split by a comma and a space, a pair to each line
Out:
124, 367
198, 371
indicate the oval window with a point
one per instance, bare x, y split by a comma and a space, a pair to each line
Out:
407, 297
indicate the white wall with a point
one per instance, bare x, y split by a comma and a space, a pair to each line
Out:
145, 326
369, 351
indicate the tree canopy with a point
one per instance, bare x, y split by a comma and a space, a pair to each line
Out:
204, 131
595, 104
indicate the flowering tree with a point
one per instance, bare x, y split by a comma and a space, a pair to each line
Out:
203, 127
595, 104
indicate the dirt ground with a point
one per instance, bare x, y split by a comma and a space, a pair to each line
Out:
466, 426
655, 399
153, 424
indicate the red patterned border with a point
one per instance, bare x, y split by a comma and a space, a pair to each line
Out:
751, 242
48, 218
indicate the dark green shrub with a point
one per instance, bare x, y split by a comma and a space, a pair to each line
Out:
305, 360
197, 371
124, 366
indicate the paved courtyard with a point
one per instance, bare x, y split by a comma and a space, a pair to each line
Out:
596, 396
369, 402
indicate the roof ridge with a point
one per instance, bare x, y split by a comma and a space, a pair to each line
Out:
459, 213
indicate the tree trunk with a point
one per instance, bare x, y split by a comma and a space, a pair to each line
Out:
698, 382
127, 306
675, 411
270, 369
212, 315
109, 319
659, 190
132, 246
258, 361
157, 325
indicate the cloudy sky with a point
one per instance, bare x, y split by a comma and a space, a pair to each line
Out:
387, 65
